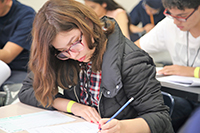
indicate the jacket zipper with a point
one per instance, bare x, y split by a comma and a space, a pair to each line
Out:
76, 94
99, 103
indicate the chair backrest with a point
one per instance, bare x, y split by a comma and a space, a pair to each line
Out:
11, 92
169, 101
12, 86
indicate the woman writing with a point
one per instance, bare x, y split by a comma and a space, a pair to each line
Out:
97, 68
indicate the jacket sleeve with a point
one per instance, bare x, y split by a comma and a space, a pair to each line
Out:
140, 82
26, 94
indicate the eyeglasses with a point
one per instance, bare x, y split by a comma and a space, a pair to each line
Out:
181, 19
75, 47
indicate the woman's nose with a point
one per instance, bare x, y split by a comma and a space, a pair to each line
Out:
73, 55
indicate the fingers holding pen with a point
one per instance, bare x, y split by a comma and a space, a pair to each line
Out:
112, 126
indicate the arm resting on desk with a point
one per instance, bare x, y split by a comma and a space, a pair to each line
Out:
26, 94
177, 70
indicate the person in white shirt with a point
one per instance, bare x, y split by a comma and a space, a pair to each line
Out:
179, 34
181, 39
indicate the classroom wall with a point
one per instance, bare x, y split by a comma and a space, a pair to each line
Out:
37, 4
128, 4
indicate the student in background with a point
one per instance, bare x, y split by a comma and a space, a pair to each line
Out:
148, 13
15, 34
98, 68
179, 34
111, 9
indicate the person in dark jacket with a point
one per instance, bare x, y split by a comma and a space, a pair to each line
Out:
98, 69
148, 13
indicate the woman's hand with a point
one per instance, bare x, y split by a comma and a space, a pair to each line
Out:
112, 126
137, 125
88, 113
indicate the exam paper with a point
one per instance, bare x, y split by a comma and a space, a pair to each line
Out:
79, 127
33, 120
181, 80
158, 69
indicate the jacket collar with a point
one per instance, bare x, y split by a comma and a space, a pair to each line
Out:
111, 81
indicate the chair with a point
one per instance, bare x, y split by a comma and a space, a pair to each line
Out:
11, 92
11, 87
2, 98
169, 101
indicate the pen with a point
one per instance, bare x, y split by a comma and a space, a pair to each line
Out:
130, 100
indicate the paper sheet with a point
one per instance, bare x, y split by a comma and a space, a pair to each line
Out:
33, 120
158, 69
79, 127
181, 80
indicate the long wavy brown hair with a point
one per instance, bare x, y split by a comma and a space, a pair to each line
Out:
49, 72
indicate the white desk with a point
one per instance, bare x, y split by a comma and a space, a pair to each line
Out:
20, 109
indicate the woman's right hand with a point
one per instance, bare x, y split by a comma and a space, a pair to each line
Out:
88, 113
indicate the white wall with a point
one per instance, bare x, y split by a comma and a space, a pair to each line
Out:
128, 4
37, 4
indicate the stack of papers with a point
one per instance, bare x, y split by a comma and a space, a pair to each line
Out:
33, 120
79, 127
181, 80
158, 69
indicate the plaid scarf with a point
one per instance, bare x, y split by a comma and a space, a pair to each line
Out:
90, 85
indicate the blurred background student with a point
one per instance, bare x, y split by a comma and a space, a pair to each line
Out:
111, 9
179, 34
148, 13
15, 38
